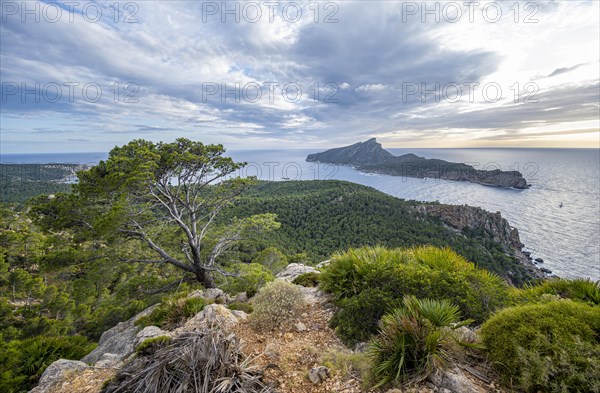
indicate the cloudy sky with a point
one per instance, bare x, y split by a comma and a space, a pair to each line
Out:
85, 76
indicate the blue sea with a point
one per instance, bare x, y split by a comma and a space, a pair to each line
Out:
558, 217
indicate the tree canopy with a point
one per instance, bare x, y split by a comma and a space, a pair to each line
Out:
166, 195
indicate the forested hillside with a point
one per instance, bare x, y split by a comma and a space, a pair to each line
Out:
321, 217
18, 182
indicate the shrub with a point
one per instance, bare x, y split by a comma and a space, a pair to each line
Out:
414, 339
23, 362
357, 319
577, 289
546, 347
251, 277
345, 275
423, 272
149, 346
310, 279
205, 361
242, 306
276, 303
172, 312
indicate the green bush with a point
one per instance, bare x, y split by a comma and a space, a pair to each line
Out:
423, 272
577, 289
546, 347
357, 319
23, 362
414, 339
276, 303
241, 306
250, 278
149, 346
310, 279
172, 312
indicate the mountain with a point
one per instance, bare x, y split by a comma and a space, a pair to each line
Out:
370, 157
361, 153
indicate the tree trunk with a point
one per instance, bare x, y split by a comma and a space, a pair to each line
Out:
203, 276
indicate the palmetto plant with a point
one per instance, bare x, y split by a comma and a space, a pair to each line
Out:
414, 339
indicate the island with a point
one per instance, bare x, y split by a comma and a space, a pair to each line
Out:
370, 157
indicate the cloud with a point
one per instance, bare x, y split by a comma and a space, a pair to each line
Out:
370, 87
318, 82
564, 70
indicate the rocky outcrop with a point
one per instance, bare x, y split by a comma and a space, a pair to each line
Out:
212, 315
361, 153
294, 270
56, 372
370, 157
462, 217
119, 340
118, 344
454, 381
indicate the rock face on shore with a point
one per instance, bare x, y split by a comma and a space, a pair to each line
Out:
461, 217
370, 157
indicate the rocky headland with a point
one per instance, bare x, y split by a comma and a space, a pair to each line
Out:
370, 157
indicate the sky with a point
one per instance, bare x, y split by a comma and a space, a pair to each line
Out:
82, 76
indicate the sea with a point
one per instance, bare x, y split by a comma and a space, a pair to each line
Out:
558, 218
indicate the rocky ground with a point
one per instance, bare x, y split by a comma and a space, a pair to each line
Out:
301, 357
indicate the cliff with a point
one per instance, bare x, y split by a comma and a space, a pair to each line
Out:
370, 157
464, 217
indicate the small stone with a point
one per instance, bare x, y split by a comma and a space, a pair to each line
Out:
318, 374
195, 293
271, 351
361, 347
300, 327
241, 297
214, 294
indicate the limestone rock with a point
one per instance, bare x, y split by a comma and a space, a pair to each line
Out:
214, 314
195, 293
313, 295
241, 297
454, 380
108, 360
361, 347
271, 351
56, 372
294, 270
321, 265
119, 340
147, 333
318, 374
467, 335
215, 294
